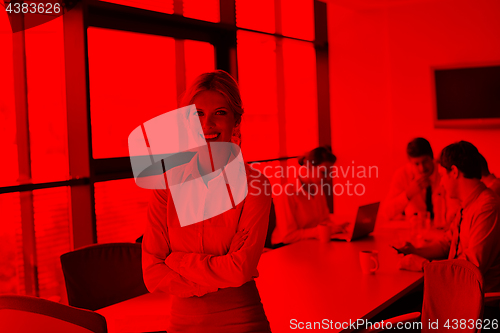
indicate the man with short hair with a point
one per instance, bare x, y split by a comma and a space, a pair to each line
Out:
416, 187
488, 178
475, 235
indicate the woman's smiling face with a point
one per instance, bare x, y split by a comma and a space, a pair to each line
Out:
216, 118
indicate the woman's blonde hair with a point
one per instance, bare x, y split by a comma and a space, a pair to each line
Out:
223, 83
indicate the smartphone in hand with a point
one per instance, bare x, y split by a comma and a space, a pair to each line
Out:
398, 250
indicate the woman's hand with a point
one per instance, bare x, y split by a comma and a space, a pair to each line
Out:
405, 248
238, 241
412, 262
335, 227
339, 228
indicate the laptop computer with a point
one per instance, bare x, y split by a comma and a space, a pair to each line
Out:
363, 225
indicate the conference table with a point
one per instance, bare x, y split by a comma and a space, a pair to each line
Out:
301, 283
310, 281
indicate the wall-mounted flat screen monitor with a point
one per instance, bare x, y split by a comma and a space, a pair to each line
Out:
467, 97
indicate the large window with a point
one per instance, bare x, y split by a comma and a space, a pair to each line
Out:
11, 250
268, 65
9, 170
34, 196
47, 102
74, 88
120, 208
121, 100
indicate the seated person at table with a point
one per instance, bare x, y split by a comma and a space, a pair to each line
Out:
488, 178
475, 234
302, 205
416, 187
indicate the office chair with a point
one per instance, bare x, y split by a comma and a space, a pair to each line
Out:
23, 314
453, 289
100, 275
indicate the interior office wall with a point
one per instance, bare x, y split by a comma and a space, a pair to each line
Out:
382, 85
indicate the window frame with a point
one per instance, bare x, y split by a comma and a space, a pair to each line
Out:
84, 170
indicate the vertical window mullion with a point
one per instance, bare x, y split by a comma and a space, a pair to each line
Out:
24, 160
280, 93
178, 7
228, 12
323, 82
180, 68
280, 80
82, 216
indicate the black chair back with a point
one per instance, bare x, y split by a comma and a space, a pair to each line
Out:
100, 275
453, 289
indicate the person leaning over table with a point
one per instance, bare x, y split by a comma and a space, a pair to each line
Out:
208, 268
301, 207
489, 179
415, 187
475, 234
